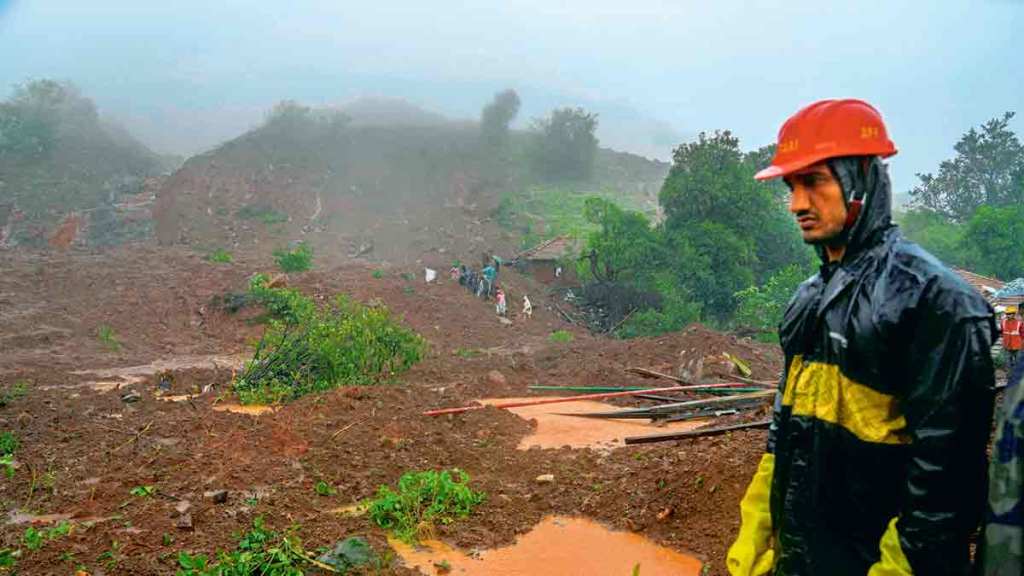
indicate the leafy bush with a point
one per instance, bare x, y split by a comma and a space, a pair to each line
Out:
560, 337
762, 306
287, 305
298, 259
342, 344
220, 256
422, 499
8, 446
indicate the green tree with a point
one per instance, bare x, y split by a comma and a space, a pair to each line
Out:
564, 144
497, 116
936, 234
988, 170
624, 247
993, 241
761, 307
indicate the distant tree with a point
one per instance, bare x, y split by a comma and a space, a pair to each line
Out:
993, 241
565, 144
624, 246
712, 180
39, 114
988, 170
936, 234
497, 116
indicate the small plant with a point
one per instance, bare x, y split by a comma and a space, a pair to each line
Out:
220, 256
422, 499
9, 557
108, 337
324, 489
408, 290
111, 558
145, 491
560, 337
467, 353
378, 274
8, 446
34, 539
408, 276
298, 259
13, 392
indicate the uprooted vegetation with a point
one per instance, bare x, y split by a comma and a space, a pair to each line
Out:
307, 348
421, 500
266, 552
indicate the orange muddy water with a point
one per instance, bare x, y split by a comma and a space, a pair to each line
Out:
558, 545
554, 430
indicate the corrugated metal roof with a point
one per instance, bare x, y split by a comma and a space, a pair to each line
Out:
989, 287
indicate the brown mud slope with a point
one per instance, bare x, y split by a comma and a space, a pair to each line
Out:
83, 449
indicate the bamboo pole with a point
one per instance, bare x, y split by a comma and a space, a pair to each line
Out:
442, 411
695, 433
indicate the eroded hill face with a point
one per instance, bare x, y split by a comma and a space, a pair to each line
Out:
67, 176
393, 192
424, 191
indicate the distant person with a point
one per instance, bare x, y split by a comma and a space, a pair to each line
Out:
501, 307
1002, 547
558, 272
875, 461
454, 273
1013, 334
527, 307
489, 274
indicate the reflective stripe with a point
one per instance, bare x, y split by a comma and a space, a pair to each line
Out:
821, 391
892, 562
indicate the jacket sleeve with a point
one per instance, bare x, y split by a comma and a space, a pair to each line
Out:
751, 553
948, 409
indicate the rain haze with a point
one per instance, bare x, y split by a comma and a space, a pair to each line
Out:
426, 287
188, 75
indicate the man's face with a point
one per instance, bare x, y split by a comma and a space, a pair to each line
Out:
817, 202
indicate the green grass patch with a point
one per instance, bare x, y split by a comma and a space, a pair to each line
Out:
259, 213
220, 256
421, 500
344, 343
467, 353
324, 489
560, 337
298, 259
378, 274
108, 337
8, 446
145, 491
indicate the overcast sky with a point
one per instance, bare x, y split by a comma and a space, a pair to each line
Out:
185, 75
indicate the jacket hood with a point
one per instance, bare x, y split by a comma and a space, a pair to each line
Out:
864, 178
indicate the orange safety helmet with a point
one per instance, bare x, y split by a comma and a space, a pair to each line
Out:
828, 129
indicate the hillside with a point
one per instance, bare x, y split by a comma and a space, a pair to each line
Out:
380, 178
61, 162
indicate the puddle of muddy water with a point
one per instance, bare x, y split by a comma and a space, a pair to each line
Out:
108, 379
558, 545
555, 430
254, 410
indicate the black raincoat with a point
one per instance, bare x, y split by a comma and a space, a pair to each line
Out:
885, 407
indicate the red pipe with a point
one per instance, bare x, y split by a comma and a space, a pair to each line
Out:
442, 411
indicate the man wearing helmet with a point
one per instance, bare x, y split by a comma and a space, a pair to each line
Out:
875, 462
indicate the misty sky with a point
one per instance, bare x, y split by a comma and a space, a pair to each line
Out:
186, 75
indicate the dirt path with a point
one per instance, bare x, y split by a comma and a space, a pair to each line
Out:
83, 449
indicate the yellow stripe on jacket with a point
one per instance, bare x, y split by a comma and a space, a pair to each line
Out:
822, 391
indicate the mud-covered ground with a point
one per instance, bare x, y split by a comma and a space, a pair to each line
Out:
83, 448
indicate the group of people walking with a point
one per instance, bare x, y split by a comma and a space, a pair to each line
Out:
483, 285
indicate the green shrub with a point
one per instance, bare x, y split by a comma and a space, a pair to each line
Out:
342, 344
220, 256
8, 444
298, 259
285, 304
560, 337
422, 499
378, 274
